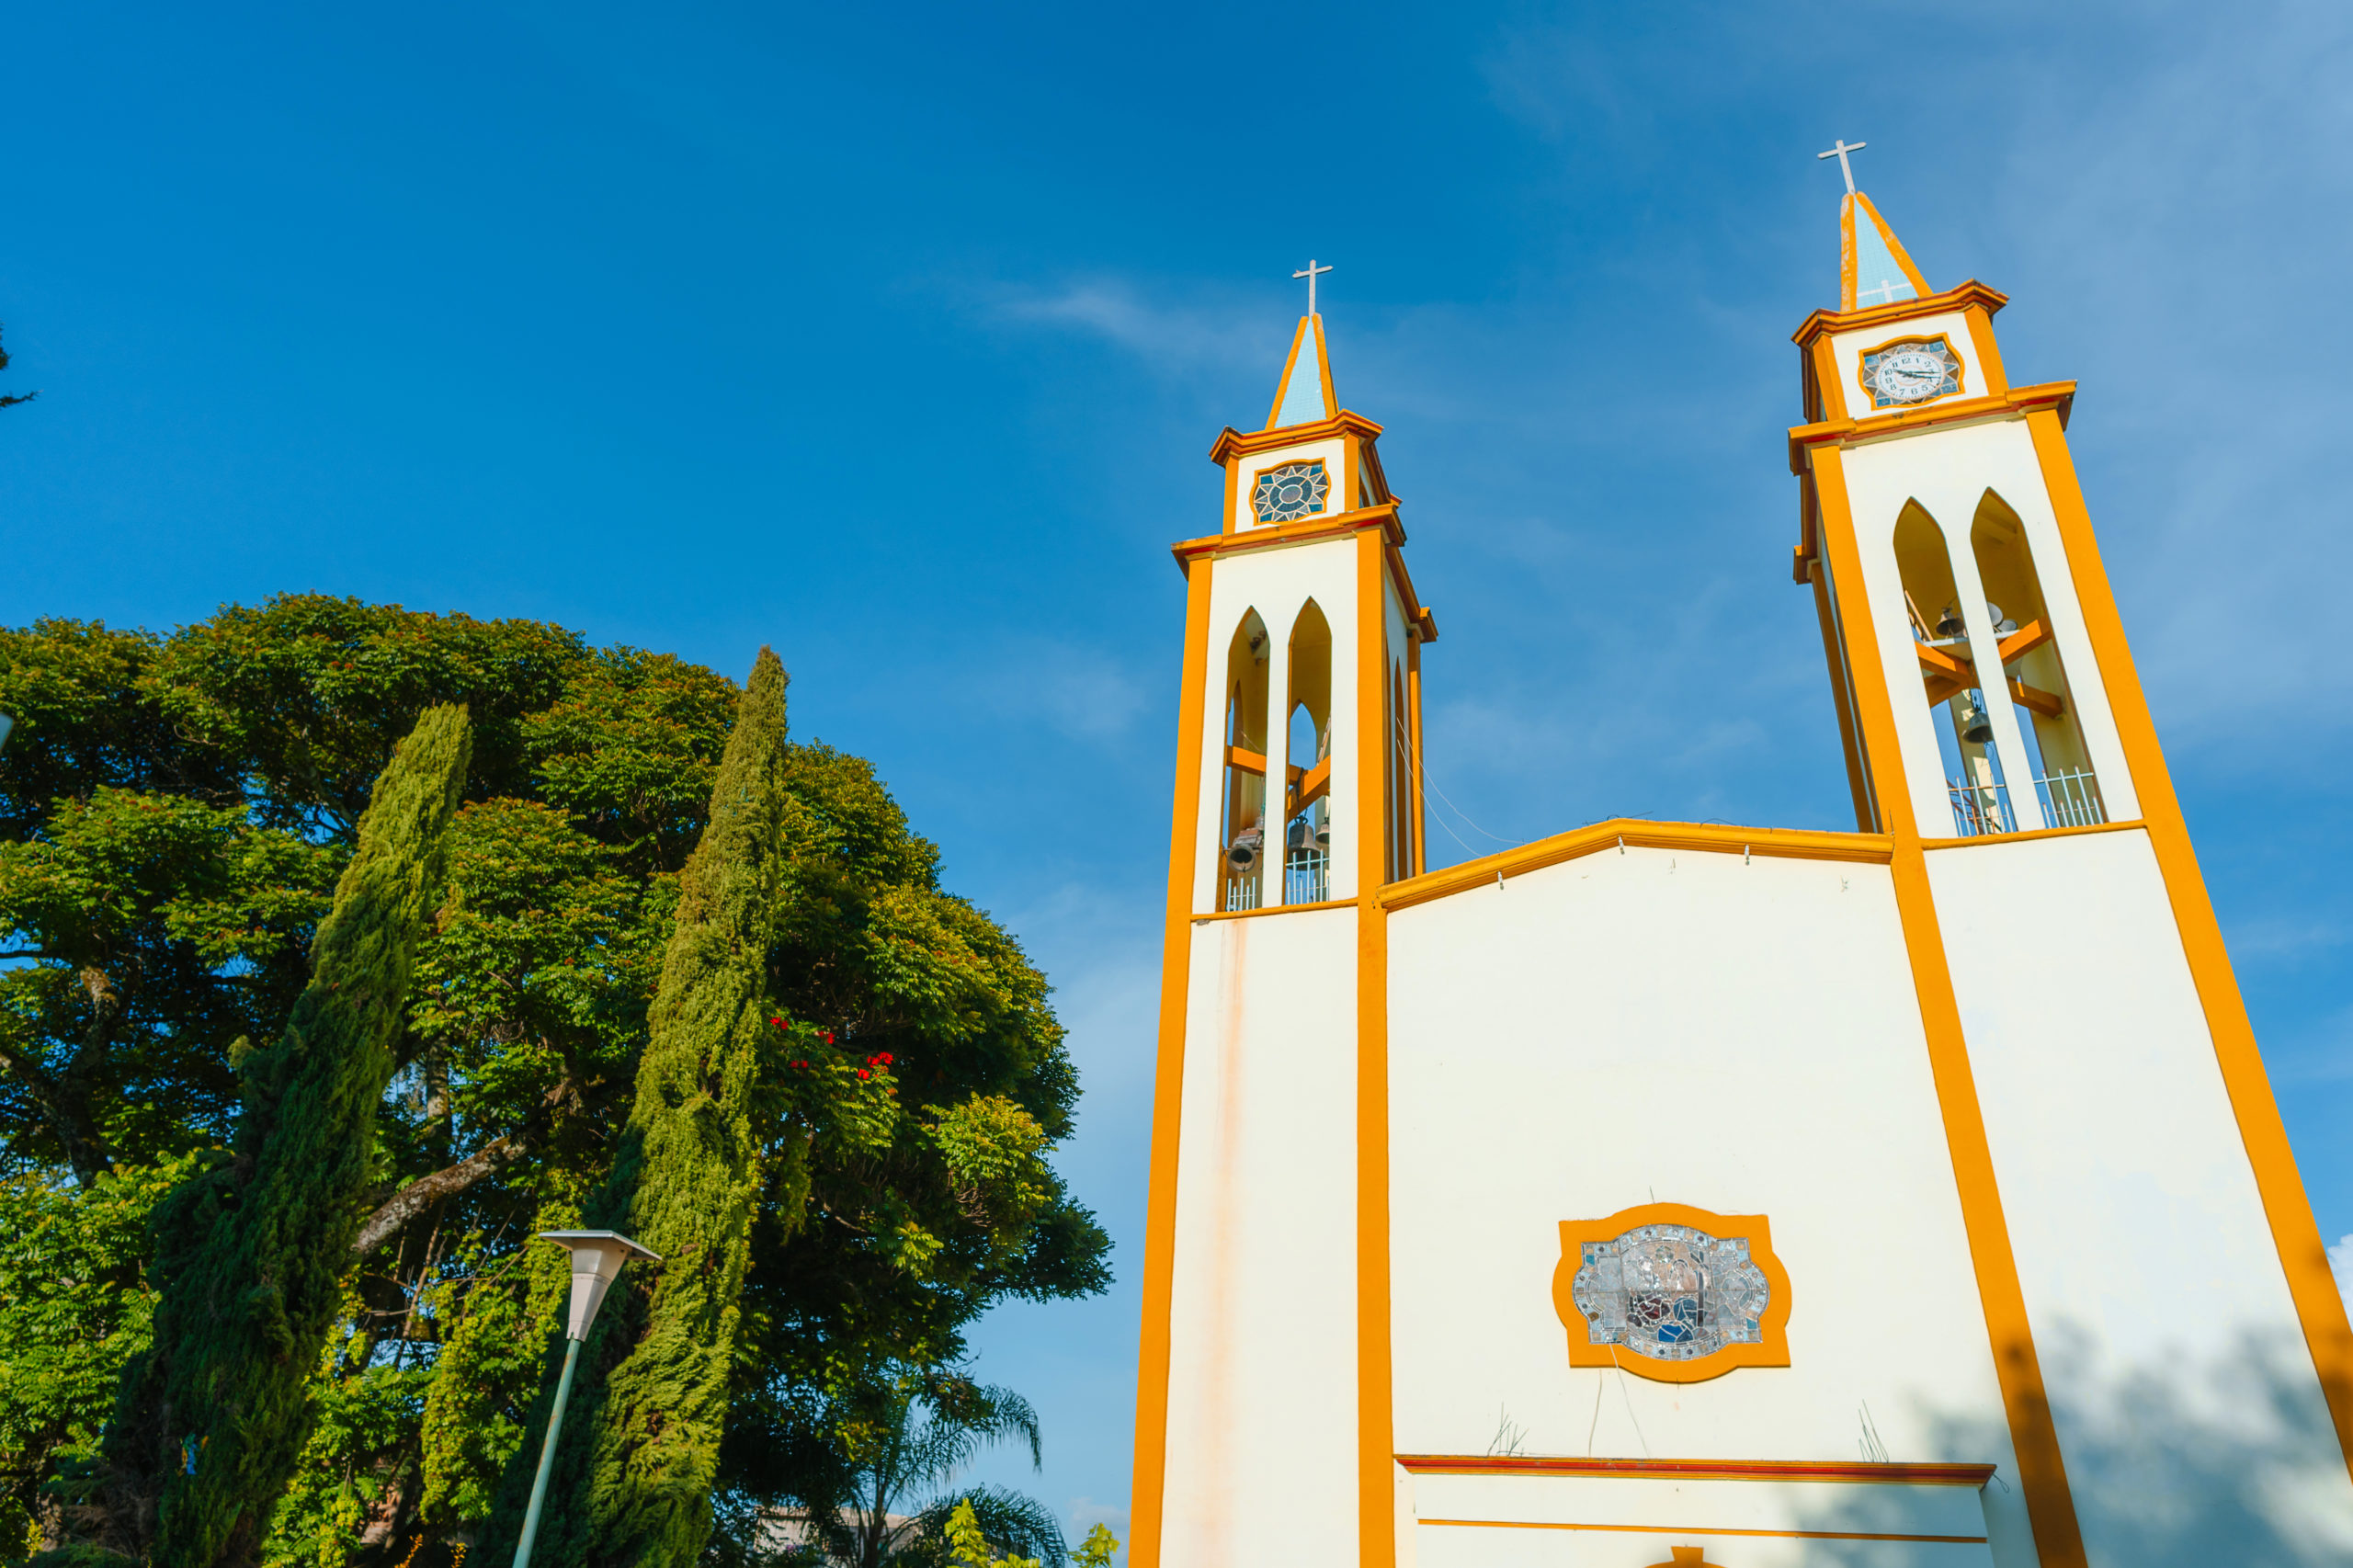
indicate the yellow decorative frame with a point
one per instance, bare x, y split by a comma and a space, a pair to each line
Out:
1774, 1347
1870, 393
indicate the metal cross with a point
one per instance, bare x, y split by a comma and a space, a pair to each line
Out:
1308, 273
1839, 153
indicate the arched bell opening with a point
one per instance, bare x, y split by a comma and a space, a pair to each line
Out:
2033, 672
1307, 807
1242, 830
1948, 677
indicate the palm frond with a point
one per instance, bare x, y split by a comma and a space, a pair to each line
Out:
1013, 1523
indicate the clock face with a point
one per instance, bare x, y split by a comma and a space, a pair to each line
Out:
1911, 371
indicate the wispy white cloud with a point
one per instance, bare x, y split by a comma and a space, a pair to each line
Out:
1079, 691
1170, 335
1086, 1513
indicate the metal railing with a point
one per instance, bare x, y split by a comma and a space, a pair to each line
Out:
1241, 891
1306, 876
2071, 799
1980, 809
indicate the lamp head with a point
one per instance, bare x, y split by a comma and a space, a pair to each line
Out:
597, 1260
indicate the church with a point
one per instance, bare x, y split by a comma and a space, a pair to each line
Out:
1666, 1193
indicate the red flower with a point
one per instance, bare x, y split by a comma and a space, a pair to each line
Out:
777, 1021
884, 1058
826, 1035
864, 1073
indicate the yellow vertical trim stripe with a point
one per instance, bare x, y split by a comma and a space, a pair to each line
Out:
2042, 1472
1146, 1498
1376, 1447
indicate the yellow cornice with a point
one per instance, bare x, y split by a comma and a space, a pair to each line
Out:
1231, 443
1338, 525
1271, 536
1779, 843
2058, 395
1959, 298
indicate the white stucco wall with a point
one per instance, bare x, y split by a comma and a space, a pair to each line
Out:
2179, 1374
1634, 1523
1655, 1026
1262, 1387
1334, 453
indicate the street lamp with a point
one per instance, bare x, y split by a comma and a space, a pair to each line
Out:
597, 1260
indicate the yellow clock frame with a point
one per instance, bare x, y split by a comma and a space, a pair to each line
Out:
1870, 392
1773, 1347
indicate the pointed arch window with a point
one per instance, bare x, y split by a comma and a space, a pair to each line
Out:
2032, 672
1973, 763
1242, 830
1307, 807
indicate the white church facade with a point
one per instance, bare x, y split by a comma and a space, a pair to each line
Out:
1663, 1193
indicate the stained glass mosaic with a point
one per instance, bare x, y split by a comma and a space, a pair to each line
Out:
1912, 371
1293, 491
1671, 1292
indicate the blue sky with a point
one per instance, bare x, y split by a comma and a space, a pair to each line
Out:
896, 337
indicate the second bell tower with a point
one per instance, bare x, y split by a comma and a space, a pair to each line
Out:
1297, 796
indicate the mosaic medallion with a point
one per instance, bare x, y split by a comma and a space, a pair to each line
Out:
1671, 1292
1293, 491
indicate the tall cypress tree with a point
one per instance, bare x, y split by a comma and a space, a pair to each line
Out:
641, 1449
250, 1256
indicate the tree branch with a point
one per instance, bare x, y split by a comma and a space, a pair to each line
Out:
395, 1213
64, 1098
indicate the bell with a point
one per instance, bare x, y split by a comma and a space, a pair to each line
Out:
1950, 624
1242, 853
1300, 835
1975, 727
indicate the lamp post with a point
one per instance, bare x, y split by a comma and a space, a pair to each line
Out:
597, 1260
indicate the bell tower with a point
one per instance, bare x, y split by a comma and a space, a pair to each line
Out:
1298, 798
2103, 1095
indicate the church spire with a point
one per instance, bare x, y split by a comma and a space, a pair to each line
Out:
1873, 269
1305, 395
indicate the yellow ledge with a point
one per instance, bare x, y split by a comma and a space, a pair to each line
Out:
2133, 826
1778, 843
1274, 909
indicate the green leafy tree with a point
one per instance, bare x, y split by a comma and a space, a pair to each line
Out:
968, 1542
634, 1478
1099, 1550
72, 1309
253, 1252
906, 1244
590, 778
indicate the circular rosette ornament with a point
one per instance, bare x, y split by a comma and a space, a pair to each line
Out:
1290, 492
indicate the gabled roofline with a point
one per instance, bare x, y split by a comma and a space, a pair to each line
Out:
1970, 293
1231, 443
